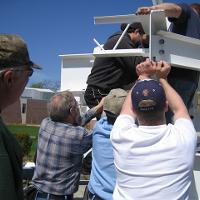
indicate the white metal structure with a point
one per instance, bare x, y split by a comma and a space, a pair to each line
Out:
180, 51
163, 45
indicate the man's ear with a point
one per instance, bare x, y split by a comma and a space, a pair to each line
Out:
8, 78
72, 111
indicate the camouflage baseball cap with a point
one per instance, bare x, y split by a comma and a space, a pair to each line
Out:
114, 100
14, 52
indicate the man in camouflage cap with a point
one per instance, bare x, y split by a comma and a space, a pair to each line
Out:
102, 177
15, 70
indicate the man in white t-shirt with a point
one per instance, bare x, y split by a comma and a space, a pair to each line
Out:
153, 160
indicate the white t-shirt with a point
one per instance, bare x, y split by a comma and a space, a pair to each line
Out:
153, 162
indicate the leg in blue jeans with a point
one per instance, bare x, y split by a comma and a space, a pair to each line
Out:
86, 195
40, 198
186, 89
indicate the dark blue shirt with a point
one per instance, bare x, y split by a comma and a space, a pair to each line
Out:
188, 24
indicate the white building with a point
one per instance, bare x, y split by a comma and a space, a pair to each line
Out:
37, 93
33, 102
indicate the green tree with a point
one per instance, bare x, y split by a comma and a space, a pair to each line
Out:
37, 85
47, 84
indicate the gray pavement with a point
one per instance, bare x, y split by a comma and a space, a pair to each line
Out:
79, 194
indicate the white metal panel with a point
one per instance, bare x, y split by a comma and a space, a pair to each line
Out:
70, 56
178, 37
77, 60
74, 79
184, 62
121, 52
157, 21
75, 70
179, 52
144, 19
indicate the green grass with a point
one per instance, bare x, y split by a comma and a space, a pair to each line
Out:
30, 130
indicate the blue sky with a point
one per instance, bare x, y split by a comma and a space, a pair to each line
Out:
54, 27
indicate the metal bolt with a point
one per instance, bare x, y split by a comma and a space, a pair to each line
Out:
161, 41
154, 58
161, 51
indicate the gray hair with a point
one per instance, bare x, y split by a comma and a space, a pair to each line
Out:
60, 105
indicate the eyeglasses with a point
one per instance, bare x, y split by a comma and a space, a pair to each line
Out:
29, 70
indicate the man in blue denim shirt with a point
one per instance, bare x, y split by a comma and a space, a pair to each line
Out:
185, 20
102, 177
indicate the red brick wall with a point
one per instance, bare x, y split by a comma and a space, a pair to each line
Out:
12, 114
36, 111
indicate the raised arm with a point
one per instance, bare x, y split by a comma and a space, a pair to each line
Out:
127, 106
174, 100
171, 9
144, 70
92, 113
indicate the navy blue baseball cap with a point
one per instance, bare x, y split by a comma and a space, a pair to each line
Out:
148, 95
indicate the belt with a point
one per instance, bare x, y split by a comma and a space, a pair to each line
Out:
53, 196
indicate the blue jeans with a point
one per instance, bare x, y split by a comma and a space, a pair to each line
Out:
186, 89
39, 198
89, 196
52, 197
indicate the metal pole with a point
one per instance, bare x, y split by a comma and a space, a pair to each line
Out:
125, 30
97, 43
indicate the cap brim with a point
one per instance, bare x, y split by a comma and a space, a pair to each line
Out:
35, 66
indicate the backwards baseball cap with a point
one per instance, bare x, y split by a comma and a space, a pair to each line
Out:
114, 100
148, 95
133, 27
14, 52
